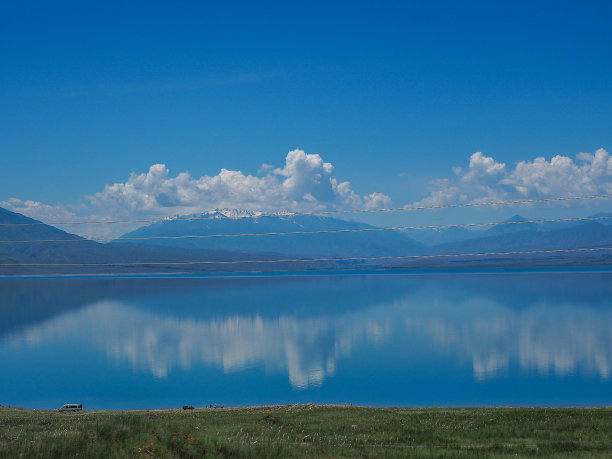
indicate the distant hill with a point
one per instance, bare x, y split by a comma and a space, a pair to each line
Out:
80, 251
340, 244
436, 236
514, 224
586, 235
22, 228
439, 236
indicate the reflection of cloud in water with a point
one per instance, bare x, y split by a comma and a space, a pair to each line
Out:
306, 348
479, 331
545, 339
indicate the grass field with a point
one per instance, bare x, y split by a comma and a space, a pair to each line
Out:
307, 430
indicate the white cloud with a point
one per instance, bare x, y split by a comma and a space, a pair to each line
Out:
305, 182
484, 169
487, 179
265, 167
376, 200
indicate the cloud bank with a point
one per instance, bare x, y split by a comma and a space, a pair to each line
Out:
488, 180
305, 182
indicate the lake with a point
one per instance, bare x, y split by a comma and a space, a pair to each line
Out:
380, 339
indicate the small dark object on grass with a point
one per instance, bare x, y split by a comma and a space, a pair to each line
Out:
187, 407
218, 406
269, 419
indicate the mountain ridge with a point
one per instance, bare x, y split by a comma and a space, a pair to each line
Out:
128, 257
327, 236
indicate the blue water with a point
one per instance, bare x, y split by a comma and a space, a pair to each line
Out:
384, 339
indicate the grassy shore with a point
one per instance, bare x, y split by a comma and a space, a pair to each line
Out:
307, 430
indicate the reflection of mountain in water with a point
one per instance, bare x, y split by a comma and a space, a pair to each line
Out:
29, 301
25, 302
445, 317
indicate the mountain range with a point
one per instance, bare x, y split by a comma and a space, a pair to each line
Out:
313, 236
69, 253
232, 236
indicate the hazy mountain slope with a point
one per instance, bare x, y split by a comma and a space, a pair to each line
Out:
77, 250
345, 244
41, 251
436, 236
516, 224
439, 236
592, 234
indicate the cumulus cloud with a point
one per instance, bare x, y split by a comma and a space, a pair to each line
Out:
487, 179
305, 182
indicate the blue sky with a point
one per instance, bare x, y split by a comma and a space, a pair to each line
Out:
392, 94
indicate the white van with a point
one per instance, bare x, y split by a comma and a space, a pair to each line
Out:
71, 407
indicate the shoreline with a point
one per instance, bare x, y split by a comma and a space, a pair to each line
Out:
323, 272
290, 406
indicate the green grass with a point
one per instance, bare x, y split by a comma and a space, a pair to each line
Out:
307, 430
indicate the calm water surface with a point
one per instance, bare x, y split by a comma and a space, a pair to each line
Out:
395, 339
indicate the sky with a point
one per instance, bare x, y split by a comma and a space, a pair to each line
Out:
125, 109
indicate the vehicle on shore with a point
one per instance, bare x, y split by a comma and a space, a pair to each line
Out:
71, 407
